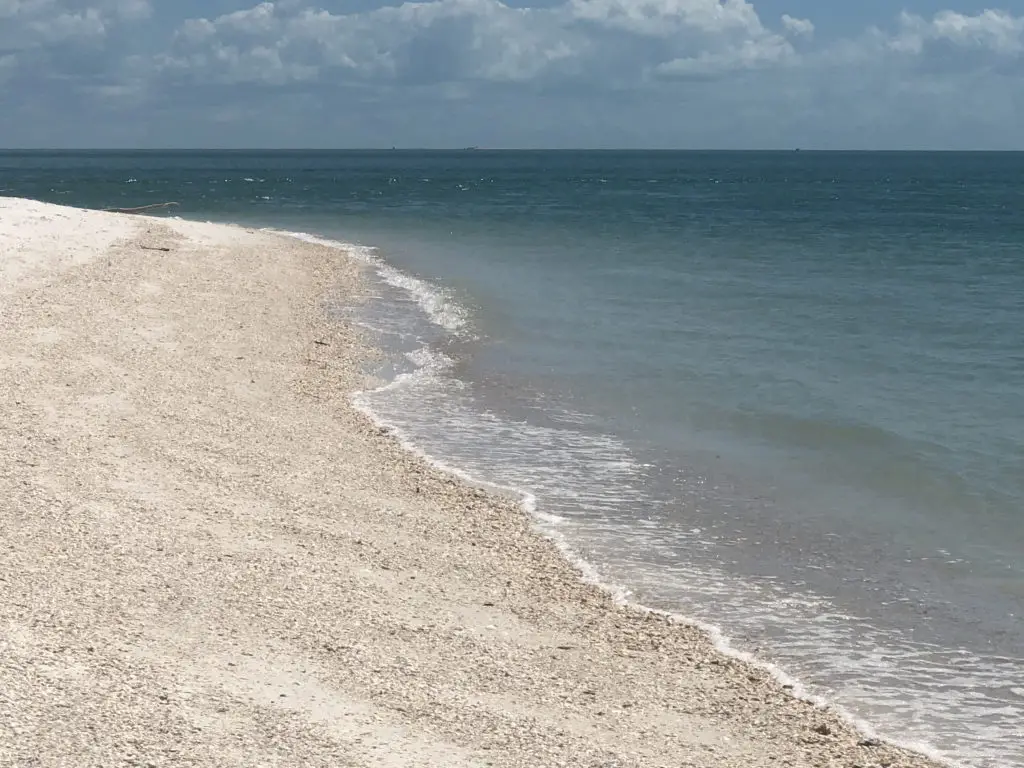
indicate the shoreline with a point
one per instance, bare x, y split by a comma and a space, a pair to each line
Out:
203, 511
586, 572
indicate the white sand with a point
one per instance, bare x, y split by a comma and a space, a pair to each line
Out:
37, 239
208, 558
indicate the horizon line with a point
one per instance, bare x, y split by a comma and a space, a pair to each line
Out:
507, 149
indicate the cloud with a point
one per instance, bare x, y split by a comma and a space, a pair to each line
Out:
799, 27
665, 18
590, 72
919, 51
41, 33
996, 32
604, 43
946, 81
750, 56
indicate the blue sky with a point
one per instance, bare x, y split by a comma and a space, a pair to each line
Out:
869, 74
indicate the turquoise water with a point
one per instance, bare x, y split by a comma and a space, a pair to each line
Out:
781, 393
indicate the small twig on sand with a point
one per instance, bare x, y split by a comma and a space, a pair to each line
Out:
141, 208
153, 248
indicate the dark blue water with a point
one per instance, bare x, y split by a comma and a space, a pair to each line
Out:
782, 393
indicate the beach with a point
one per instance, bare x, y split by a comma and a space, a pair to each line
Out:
211, 558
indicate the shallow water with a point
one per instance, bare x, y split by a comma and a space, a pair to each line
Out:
782, 393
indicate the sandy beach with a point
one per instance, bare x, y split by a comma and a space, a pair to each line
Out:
210, 558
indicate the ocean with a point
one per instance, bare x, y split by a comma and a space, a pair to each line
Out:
778, 393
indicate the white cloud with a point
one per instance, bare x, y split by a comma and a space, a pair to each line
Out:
800, 27
663, 18
32, 11
605, 43
660, 71
37, 24
995, 31
85, 26
748, 57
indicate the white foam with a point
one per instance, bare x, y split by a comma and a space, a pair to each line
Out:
430, 360
564, 531
601, 469
439, 305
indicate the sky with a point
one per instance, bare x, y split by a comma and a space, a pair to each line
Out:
727, 74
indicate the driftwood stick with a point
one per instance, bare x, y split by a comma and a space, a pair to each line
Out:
140, 209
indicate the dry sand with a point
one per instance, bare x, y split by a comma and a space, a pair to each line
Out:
209, 558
